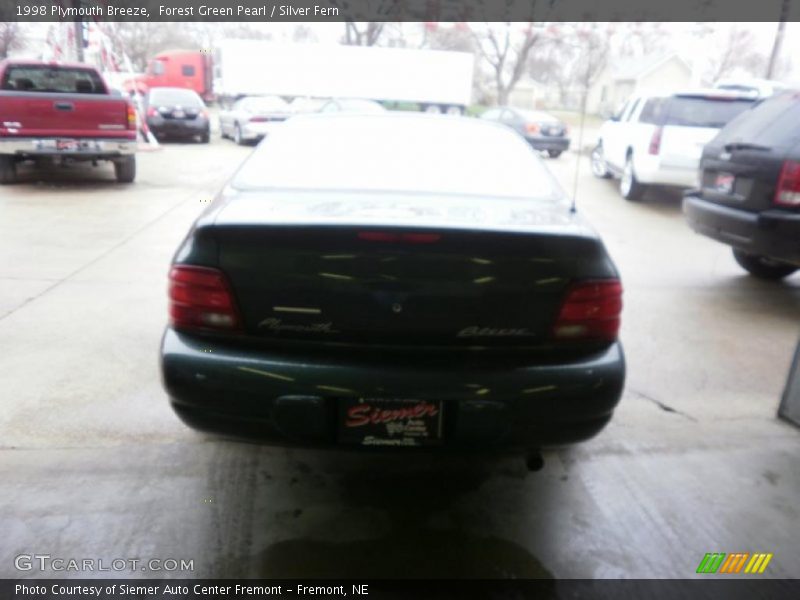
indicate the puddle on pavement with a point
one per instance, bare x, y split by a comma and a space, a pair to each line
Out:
424, 534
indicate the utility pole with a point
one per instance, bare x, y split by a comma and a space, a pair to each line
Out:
79, 39
78, 32
776, 45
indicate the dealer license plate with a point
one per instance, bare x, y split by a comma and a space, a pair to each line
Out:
724, 183
68, 145
392, 422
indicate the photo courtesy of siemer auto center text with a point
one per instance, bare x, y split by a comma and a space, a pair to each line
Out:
399, 299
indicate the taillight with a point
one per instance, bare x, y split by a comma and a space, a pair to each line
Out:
131, 117
655, 141
200, 298
788, 190
590, 311
409, 238
152, 112
532, 128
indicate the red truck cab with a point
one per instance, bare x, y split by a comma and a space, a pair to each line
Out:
63, 112
190, 69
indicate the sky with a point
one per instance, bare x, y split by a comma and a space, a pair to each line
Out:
682, 39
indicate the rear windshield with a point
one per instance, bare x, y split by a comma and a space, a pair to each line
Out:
174, 96
775, 122
695, 111
439, 155
44, 78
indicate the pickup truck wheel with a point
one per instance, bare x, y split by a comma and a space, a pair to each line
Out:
554, 153
8, 169
763, 267
629, 186
237, 135
599, 166
125, 169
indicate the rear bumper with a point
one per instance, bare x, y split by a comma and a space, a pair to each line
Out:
549, 143
772, 233
287, 399
256, 131
187, 127
652, 170
87, 147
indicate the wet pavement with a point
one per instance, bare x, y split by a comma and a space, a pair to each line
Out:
94, 464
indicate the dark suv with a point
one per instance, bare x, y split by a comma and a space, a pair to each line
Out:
750, 188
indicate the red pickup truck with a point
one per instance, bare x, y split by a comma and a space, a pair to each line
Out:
63, 112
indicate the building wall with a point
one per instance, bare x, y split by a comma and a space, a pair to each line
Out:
527, 96
671, 76
607, 95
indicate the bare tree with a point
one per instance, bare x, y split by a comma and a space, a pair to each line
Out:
364, 34
458, 38
637, 39
140, 41
506, 47
736, 53
11, 38
594, 47
303, 33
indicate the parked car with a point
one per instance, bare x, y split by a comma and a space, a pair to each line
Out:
749, 194
177, 113
63, 112
305, 104
253, 117
352, 105
464, 308
543, 131
657, 140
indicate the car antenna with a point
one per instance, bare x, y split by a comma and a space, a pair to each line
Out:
573, 206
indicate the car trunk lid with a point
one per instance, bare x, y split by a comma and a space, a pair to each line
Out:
447, 271
741, 175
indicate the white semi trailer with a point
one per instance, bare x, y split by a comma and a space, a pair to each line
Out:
435, 79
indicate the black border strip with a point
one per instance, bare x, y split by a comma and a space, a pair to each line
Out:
402, 10
712, 588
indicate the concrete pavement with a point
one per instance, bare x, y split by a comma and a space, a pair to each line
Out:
94, 464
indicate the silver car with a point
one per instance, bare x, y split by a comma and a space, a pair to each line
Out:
252, 118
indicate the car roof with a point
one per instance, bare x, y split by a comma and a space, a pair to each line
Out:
701, 92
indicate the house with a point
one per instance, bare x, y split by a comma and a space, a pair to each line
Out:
528, 94
655, 73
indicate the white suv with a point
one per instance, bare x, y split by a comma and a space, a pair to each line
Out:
658, 139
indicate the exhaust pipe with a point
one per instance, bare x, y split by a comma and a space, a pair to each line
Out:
534, 462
